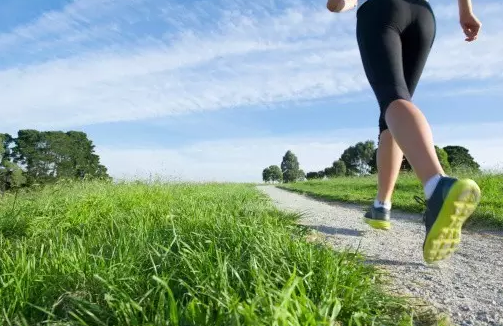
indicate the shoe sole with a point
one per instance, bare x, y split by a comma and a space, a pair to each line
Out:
445, 234
382, 225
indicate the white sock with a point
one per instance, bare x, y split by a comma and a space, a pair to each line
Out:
378, 203
430, 185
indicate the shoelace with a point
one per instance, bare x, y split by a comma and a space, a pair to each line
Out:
423, 202
420, 200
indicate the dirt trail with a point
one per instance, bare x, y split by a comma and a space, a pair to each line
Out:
468, 286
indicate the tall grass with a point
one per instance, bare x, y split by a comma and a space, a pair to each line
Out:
133, 254
362, 190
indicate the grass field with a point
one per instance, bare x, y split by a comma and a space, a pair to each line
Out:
214, 254
362, 190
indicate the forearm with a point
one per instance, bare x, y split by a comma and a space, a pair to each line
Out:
342, 5
465, 6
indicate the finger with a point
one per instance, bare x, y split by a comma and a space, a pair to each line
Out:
468, 34
471, 38
473, 27
470, 31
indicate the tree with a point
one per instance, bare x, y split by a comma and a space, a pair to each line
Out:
339, 168
290, 167
266, 175
315, 175
373, 162
51, 155
443, 159
4, 145
329, 172
29, 151
460, 158
11, 176
83, 160
276, 174
358, 157
301, 176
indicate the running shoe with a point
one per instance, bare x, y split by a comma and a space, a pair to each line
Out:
451, 204
378, 217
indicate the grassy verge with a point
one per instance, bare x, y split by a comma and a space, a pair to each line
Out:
131, 254
362, 190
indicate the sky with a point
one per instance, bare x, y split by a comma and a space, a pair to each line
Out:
218, 90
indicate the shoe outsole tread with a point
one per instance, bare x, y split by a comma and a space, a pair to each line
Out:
445, 234
382, 225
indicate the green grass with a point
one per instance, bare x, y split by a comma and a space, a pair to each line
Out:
214, 254
362, 190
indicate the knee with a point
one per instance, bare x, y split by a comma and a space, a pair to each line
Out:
391, 95
396, 104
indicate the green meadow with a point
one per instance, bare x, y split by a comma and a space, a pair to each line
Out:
99, 253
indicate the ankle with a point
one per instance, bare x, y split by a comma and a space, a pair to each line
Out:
431, 184
378, 203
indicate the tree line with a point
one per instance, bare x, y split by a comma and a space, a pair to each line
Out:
41, 157
361, 159
290, 170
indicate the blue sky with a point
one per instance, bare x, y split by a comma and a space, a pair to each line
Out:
218, 90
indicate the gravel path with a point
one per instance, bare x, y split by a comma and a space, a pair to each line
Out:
468, 286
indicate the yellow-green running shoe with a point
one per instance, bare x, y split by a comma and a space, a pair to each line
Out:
378, 217
450, 205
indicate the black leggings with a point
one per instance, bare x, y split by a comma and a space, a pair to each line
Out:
395, 38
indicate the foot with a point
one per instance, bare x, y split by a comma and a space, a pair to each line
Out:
450, 205
378, 217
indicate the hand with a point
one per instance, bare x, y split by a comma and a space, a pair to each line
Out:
470, 25
336, 5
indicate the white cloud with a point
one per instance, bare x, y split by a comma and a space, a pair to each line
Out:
72, 24
242, 160
105, 70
